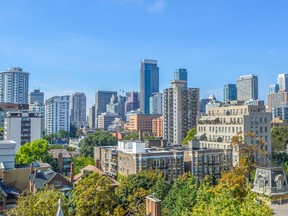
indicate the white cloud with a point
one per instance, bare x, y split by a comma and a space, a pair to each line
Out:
157, 6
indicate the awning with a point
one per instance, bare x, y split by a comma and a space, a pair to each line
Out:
199, 134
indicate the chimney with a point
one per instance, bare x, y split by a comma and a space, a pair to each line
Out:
71, 172
31, 168
153, 206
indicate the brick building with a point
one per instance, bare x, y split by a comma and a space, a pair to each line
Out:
130, 157
140, 122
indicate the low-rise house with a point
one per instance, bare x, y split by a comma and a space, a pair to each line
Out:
39, 179
63, 159
90, 169
272, 182
8, 197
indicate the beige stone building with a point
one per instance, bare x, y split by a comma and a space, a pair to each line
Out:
130, 157
215, 130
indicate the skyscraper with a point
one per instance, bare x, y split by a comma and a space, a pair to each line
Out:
247, 87
78, 110
149, 82
282, 80
57, 114
132, 101
180, 109
181, 74
156, 103
230, 92
273, 88
92, 117
14, 85
36, 97
102, 98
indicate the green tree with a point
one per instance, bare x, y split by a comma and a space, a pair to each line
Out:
181, 197
81, 162
190, 136
94, 195
133, 189
42, 203
56, 146
35, 151
98, 138
132, 136
279, 138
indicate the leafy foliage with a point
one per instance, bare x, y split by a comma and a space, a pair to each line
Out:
61, 135
190, 136
181, 197
94, 195
35, 151
98, 138
42, 203
81, 162
134, 188
132, 136
56, 146
279, 138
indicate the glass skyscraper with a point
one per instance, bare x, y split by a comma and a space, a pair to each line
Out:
230, 92
149, 83
181, 74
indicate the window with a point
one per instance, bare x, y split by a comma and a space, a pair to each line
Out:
57, 183
169, 161
144, 163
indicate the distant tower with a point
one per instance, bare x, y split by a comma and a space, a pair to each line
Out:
92, 116
282, 80
57, 114
247, 87
102, 98
156, 103
149, 82
36, 97
230, 92
181, 74
78, 110
14, 85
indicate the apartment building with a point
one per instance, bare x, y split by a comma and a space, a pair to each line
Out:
140, 122
57, 114
157, 127
131, 157
180, 110
210, 162
22, 127
216, 129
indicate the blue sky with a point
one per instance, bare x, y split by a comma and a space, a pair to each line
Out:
89, 45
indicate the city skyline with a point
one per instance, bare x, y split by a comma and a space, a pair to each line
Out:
65, 52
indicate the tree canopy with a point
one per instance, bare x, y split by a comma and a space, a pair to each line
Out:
42, 203
190, 136
81, 162
98, 138
34, 151
94, 195
279, 138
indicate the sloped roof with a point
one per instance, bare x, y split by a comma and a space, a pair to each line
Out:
42, 177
